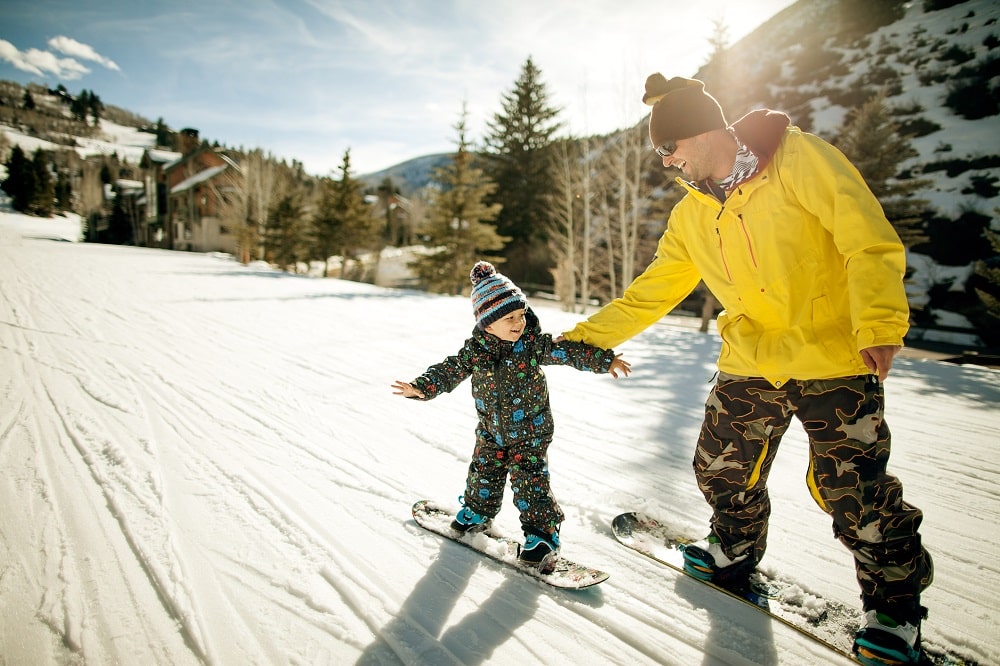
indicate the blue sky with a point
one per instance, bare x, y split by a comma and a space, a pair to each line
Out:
308, 79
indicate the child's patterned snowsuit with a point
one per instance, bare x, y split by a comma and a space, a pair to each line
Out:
515, 422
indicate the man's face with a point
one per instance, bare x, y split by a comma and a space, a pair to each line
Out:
693, 156
685, 150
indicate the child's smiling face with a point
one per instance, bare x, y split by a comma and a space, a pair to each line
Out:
510, 327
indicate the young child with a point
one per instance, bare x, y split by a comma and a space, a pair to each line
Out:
504, 358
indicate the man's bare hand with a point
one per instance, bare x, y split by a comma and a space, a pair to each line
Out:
879, 359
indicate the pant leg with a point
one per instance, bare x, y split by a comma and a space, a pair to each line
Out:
530, 483
849, 452
744, 421
484, 484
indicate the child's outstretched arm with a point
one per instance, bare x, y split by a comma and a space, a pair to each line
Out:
582, 356
442, 377
407, 390
620, 365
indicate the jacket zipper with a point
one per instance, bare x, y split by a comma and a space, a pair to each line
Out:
746, 234
722, 253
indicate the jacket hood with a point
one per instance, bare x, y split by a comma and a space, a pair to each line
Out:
761, 132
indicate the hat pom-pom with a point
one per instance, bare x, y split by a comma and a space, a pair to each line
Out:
656, 88
481, 271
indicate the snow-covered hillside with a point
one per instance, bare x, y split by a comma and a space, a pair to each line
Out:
204, 464
926, 51
113, 139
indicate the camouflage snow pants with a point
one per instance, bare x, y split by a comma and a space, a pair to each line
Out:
849, 446
527, 464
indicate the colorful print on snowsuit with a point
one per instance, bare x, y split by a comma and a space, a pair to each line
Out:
849, 445
515, 420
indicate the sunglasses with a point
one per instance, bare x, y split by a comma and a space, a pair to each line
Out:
667, 149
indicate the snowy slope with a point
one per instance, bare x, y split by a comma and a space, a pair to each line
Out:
114, 139
204, 463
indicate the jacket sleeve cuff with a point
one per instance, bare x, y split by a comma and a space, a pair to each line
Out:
609, 358
878, 336
429, 389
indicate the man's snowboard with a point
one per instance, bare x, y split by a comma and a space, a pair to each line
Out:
828, 622
562, 573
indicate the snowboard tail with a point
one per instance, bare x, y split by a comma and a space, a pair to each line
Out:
559, 572
827, 622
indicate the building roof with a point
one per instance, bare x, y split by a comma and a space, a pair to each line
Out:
128, 184
162, 156
200, 177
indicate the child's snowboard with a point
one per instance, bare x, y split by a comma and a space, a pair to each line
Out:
563, 573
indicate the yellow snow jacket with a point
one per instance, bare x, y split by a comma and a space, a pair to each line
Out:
801, 256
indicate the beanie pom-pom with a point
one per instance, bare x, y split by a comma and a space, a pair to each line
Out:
656, 88
481, 271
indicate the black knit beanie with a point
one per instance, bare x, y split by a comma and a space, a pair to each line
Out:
681, 109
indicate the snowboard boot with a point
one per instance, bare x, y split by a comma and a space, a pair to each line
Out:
539, 550
468, 521
706, 560
890, 635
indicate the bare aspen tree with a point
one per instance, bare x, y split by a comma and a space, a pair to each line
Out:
564, 219
230, 191
619, 209
608, 220
259, 181
586, 196
90, 191
632, 151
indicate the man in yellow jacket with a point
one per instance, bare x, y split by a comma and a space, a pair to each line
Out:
793, 244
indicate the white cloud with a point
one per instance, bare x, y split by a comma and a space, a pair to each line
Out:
71, 47
42, 63
11, 54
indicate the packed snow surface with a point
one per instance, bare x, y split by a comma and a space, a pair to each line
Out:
203, 463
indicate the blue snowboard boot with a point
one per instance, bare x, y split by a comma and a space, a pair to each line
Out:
540, 549
890, 636
706, 560
468, 520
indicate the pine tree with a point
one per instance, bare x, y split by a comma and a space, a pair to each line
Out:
872, 142
63, 192
459, 222
165, 137
519, 163
20, 181
394, 232
80, 105
43, 193
96, 107
343, 223
285, 233
119, 225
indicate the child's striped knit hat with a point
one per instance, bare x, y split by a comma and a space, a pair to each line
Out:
493, 295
